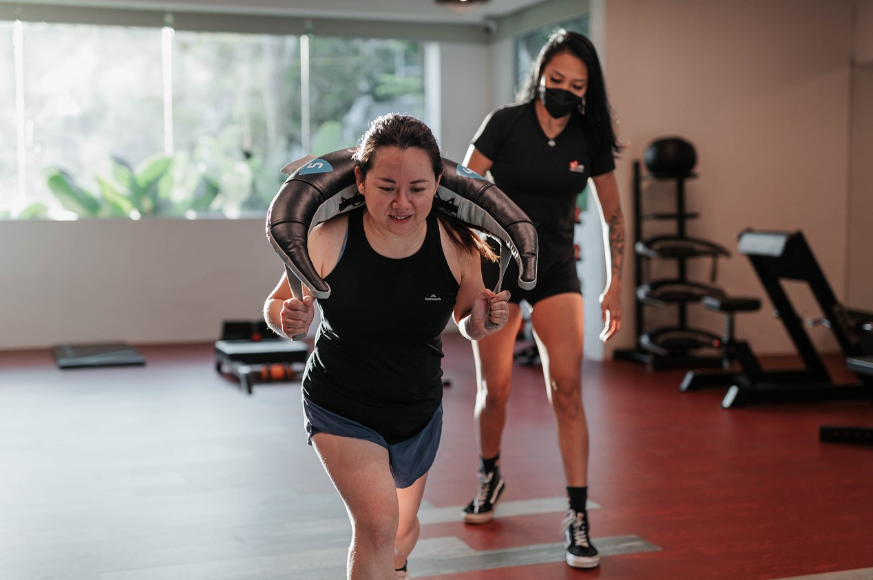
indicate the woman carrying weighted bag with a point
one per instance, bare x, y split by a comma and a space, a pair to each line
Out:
541, 153
372, 389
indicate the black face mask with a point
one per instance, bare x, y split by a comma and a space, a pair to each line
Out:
558, 102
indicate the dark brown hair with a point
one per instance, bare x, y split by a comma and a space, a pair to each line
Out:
404, 132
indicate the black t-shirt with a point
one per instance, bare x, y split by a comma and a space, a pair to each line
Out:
543, 180
378, 351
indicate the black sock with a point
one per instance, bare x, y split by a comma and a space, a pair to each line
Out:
402, 569
578, 498
488, 465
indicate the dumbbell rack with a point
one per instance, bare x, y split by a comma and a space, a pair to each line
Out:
680, 345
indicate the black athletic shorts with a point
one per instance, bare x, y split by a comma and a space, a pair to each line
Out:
552, 279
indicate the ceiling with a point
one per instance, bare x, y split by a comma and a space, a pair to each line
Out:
386, 10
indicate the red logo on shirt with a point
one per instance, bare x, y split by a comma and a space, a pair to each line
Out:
576, 167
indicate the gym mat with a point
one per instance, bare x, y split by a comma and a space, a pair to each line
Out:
73, 356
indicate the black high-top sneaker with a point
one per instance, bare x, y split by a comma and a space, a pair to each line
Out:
481, 509
581, 553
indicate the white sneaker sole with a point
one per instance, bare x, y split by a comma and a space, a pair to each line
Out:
483, 518
582, 561
479, 518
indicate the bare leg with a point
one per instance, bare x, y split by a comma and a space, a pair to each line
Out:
409, 500
362, 476
493, 355
558, 327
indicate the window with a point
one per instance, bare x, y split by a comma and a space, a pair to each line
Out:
9, 203
91, 95
356, 80
236, 119
129, 122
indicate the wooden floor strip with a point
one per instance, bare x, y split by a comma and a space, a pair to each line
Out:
862, 574
506, 509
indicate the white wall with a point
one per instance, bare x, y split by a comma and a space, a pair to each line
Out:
502, 72
762, 89
465, 90
589, 234
148, 281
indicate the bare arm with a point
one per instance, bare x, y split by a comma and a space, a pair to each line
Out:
480, 313
610, 206
475, 305
273, 305
289, 315
477, 162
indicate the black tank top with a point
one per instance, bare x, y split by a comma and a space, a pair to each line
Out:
378, 349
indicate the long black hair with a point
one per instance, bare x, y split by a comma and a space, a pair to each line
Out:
404, 132
598, 113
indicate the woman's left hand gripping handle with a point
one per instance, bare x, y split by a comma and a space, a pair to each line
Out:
493, 308
297, 316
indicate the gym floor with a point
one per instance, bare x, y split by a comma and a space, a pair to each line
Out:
169, 472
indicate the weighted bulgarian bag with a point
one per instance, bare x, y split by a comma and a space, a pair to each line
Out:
324, 187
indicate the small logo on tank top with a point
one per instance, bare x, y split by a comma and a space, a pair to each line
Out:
577, 167
433, 298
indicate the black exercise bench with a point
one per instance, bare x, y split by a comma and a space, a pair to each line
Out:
252, 353
778, 256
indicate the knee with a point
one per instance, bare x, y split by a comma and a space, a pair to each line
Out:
566, 396
376, 530
408, 528
493, 395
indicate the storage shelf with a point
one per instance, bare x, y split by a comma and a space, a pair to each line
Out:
674, 345
662, 293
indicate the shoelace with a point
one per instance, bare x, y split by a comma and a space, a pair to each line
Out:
484, 487
578, 525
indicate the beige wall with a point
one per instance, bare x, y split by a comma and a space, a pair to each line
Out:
859, 290
859, 283
863, 35
762, 89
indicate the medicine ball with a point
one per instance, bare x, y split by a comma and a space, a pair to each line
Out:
670, 157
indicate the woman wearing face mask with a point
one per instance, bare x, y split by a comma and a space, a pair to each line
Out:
541, 152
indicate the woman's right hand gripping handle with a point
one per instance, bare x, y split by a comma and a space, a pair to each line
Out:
296, 317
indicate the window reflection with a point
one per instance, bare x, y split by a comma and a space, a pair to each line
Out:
8, 128
118, 127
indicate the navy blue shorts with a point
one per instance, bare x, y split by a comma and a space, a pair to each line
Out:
409, 459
